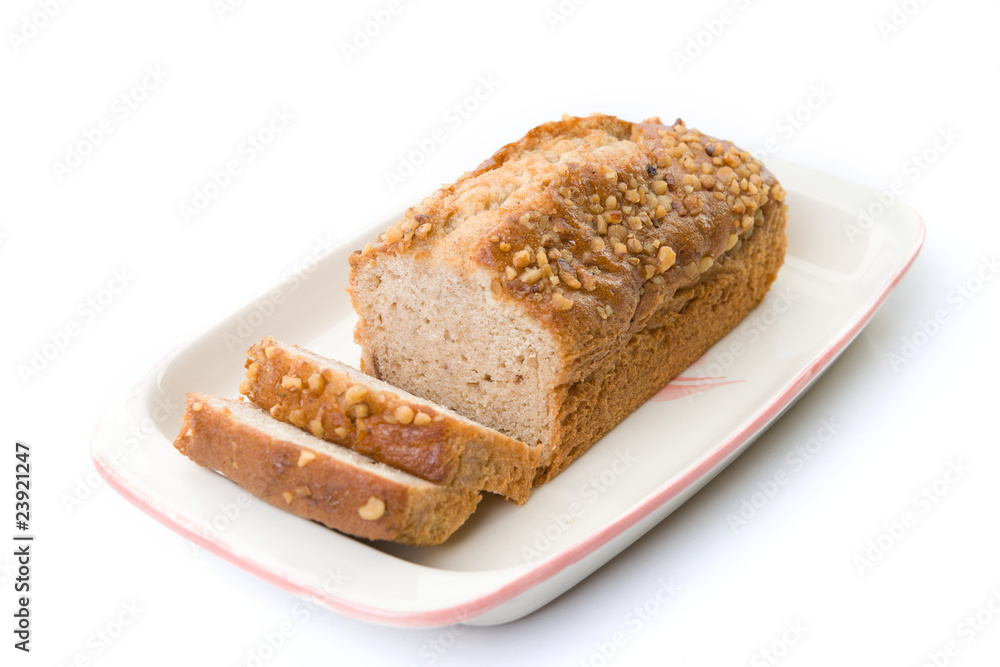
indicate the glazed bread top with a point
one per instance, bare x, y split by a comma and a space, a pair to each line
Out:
590, 224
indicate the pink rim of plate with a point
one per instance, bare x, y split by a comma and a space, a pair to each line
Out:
547, 568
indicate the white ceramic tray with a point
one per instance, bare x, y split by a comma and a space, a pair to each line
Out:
508, 561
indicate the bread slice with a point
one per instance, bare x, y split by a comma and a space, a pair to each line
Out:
317, 480
343, 405
555, 288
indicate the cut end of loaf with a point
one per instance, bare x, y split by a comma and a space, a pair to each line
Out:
435, 333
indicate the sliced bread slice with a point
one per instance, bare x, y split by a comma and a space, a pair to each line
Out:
343, 405
317, 480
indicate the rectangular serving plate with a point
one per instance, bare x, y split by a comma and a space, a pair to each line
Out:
508, 561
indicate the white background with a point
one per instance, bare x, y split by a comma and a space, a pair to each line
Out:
879, 97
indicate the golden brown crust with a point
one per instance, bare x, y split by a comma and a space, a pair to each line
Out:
591, 224
635, 245
673, 338
352, 498
338, 404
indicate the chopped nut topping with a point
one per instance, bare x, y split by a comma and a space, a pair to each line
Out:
373, 509
561, 302
287, 495
316, 383
361, 410
291, 382
659, 187
531, 276
404, 414
705, 264
693, 204
270, 351
521, 259
393, 234
306, 457
298, 418
597, 245
197, 406
340, 432
316, 427
665, 257
421, 419
571, 280
275, 410
355, 394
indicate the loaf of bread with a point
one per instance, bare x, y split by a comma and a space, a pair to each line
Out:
551, 291
312, 478
343, 405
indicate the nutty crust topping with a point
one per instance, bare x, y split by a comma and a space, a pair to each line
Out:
593, 222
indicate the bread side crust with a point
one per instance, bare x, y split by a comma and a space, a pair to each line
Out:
337, 404
314, 485
673, 338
